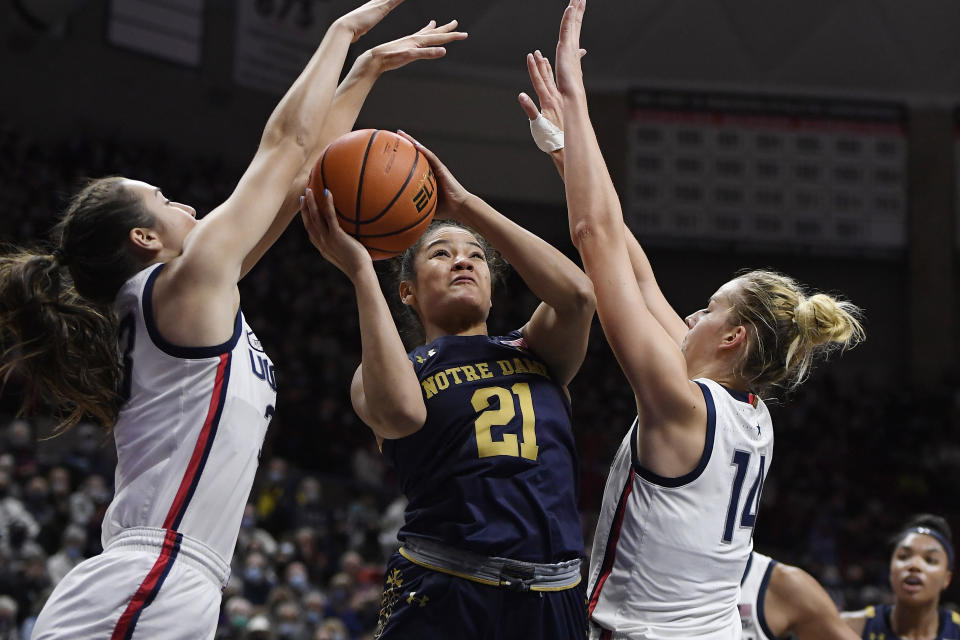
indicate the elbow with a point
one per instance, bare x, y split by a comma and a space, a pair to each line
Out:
582, 300
286, 132
589, 231
400, 421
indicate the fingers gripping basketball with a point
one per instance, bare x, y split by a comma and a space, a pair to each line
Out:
383, 189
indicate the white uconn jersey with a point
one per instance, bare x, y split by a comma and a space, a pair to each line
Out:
669, 553
189, 436
753, 589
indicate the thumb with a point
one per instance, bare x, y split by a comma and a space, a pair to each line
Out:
528, 106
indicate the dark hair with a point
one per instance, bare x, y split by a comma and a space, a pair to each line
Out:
929, 521
91, 237
58, 333
403, 267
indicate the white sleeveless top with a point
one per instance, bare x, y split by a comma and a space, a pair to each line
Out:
753, 590
669, 553
189, 436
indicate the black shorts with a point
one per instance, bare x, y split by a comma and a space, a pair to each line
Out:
423, 604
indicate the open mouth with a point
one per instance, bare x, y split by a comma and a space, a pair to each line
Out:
913, 583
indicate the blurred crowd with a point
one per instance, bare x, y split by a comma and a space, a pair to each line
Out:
852, 461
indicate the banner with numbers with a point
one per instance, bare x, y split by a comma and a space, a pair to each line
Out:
172, 30
275, 39
767, 171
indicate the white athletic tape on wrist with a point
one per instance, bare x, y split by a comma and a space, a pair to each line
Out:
547, 135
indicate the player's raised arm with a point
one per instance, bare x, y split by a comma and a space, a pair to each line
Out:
649, 356
560, 326
546, 126
385, 391
214, 253
425, 44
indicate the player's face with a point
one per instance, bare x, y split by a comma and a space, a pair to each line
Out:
173, 220
918, 569
452, 283
708, 326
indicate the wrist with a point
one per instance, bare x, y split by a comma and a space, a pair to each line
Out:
468, 208
363, 274
369, 64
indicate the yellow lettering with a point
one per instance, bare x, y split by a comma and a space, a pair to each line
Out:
505, 367
470, 372
430, 387
454, 371
519, 366
442, 382
529, 448
536, 367
482, 401
484, 369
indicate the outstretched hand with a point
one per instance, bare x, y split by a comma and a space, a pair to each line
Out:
366, 16
451, 196
541, 76
425, 44
335, 244
569, 53
551, 102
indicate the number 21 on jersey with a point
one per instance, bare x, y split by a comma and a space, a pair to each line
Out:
484, 400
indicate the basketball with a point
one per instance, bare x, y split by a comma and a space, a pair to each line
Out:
383, 189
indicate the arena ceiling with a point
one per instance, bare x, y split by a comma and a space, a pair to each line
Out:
883, 47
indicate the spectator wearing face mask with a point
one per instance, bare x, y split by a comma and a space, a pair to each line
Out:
332, 629
289, 622
258, 579
314, 604
60, 563
296, 578
22, 446
236, 615
16, 524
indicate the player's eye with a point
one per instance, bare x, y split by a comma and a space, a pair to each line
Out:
440, 252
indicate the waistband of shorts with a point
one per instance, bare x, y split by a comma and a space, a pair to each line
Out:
191, 550
498, 572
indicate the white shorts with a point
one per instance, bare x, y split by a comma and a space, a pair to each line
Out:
147, 583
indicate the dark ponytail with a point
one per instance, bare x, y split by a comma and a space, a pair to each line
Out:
61, 347
58, 333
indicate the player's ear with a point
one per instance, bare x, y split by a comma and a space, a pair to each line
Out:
733, 337
407, 295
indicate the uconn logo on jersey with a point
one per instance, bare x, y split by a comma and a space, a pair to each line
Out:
260, 363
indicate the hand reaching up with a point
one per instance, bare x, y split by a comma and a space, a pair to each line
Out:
569, 53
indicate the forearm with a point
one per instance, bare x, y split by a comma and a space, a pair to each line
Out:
390, 385
303, 109
551, 276
344, 109
592, 202
350, 96
652, 295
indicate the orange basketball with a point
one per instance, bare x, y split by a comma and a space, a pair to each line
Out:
383, 189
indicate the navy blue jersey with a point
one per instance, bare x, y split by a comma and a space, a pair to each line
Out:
877, 626
494, 469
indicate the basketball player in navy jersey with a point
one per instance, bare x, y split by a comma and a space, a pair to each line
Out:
190, 391
676, 526
476, 426
921, 567
780, 601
